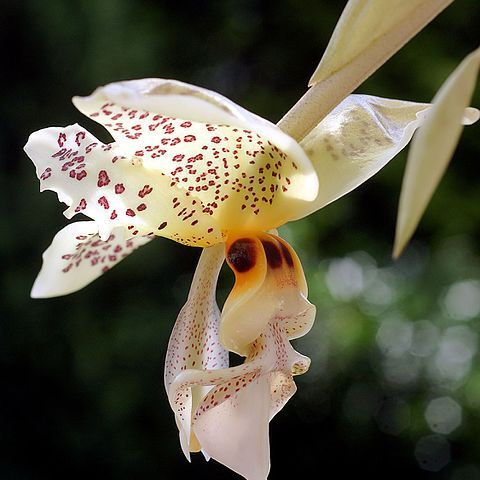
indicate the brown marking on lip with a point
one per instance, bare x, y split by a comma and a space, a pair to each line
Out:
273, 254
286, 254
242, 254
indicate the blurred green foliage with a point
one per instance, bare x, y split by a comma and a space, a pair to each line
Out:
82, 389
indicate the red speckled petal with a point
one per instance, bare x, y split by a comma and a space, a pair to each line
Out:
78, 255
122, 104
248, 172
194, 342
99, 181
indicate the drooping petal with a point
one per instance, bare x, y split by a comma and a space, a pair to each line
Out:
357, 139
231, 422
269, 281
367, 34
99, 181
77, 256
246, 171
194, 343
433, 147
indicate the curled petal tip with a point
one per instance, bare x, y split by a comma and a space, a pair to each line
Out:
36, 292
471, 116
397, 251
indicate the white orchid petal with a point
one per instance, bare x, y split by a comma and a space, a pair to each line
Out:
131, 111
231, 422
235, 433
77, 256
99, 181
245, 170
194, 342
169, 98
433, 147
357, 139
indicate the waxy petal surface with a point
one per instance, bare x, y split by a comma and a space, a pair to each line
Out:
97, 180
433, 147
78, 255
194, 343
170, 98
357, 139
269, 283
247, 172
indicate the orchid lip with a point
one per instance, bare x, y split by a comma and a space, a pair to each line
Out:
223, 411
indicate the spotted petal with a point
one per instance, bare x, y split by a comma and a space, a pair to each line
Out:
132, 108
245, 170
358, 138
231, 421
78, 255
433, 147
194, 343
97, 180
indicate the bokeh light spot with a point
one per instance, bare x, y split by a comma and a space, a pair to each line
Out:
443, 415
432, 452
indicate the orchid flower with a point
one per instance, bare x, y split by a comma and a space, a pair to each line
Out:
190, 165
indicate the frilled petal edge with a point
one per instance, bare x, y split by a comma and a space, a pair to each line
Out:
99, 181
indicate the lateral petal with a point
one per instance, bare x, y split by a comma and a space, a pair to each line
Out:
77, 256
244, 169
99, 181
357, 139
433, 147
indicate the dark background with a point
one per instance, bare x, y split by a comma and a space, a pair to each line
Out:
82, 391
